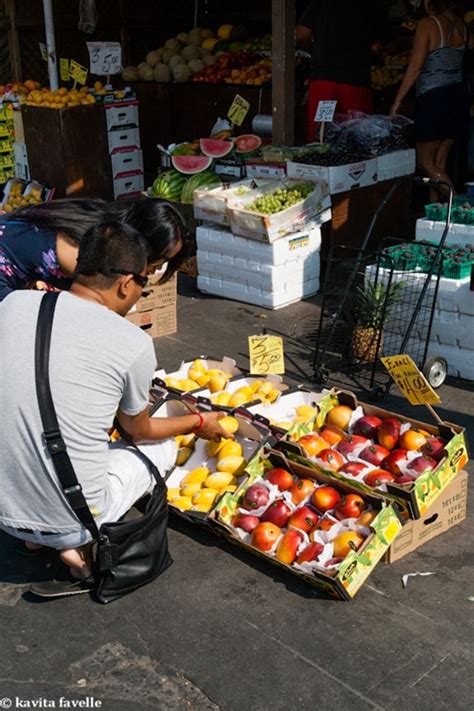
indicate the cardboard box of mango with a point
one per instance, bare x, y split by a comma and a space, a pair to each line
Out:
322, 531
377, 451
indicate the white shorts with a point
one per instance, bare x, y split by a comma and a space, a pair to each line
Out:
128, 479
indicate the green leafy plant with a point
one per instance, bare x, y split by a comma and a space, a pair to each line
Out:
374, 302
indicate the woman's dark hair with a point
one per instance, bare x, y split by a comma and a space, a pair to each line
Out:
107, 252
158, 222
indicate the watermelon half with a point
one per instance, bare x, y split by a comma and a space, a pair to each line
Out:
247, 143
215, 148
191, 164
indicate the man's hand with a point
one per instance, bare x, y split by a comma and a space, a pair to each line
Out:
211, 429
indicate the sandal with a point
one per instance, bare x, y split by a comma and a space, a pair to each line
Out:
63, 584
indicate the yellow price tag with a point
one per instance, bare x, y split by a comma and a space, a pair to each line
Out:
64, 69
266, 355
410, 380
238, 110
78, 72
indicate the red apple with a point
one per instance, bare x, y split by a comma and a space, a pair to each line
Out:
350, 506
303, 518
423, 463
246, 522
389, 432
278, 513
367, 426
332, 460
265, 535
325, 498
434, 448
310, 553
374, 454
288, 546
280, 477
349, 443
392, 461
354, 468
377, 477
256, 496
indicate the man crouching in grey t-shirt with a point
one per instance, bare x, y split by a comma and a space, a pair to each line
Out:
100, 365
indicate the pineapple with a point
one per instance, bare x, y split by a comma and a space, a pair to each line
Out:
373, 305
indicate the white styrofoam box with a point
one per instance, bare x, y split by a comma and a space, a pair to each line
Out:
263, 170
284, 409
240, 250
130, 185
340, 178
428, 230
287, 294
126, 162
227, 365
396, 164
460, 360
211, 204
120, 138
453, 328
124, 115
22, 169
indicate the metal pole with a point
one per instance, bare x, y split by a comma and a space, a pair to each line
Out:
50, 44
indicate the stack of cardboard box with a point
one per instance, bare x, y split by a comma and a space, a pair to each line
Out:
155, 312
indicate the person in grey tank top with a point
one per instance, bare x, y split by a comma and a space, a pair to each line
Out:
436, 69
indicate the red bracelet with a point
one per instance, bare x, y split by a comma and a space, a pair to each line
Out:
200, 424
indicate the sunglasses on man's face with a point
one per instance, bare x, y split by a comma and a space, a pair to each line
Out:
138, 278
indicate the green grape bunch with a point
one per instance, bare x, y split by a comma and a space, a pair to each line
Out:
281, 199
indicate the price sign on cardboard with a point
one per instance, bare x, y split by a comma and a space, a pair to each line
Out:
410, 380
64, 69
266, 355
238, 110
105, 58
325, 111
78, 72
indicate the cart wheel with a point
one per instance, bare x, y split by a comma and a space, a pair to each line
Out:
435, 371
321, 376
377, 393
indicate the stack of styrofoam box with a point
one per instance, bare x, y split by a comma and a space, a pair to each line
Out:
452, 331
396, 164
268, 275
124, 145
428, 230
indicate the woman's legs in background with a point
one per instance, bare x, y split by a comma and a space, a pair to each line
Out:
431, 157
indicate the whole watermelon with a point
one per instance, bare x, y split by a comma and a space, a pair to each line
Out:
208, 179
169, 185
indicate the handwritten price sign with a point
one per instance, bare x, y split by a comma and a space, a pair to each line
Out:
238, 110
77, 72
325, 111
266, 355
105, 58
410, 380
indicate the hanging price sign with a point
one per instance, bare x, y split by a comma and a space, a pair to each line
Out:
325, 111
78, 72
105, 58
238, 110
266, 355
43, 51
64, 69
410, 380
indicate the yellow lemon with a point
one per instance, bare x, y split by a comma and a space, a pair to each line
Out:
173, 494
232, 464
205, 496
218, 480
182, 502
196, 476
191, 489
229, 423
230, 448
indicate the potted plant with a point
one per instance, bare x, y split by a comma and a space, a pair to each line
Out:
373, 304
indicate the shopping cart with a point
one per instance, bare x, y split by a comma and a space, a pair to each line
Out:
378, 303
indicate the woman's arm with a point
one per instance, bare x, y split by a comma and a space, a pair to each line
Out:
420, 50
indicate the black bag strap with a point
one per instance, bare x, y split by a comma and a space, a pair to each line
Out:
54, 442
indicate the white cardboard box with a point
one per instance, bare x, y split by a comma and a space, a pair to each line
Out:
340, 178
124, 115
428, 230
126, 162
253, 295
22, 169
396, 164
120, 138
128, 186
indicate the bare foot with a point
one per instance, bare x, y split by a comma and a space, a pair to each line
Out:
78, 560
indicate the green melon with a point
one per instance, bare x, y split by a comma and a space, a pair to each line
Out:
169, 185
200, 180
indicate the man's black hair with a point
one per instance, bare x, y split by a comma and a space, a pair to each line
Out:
108, 248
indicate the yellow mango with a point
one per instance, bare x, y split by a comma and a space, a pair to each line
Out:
232, 464
223, 399
191, 489
202, 508
218, 480
172, 383
199, 365
239, 399
272, 395
306, 411
214, 447
231, 488
256, 385
188, 385
216, 383
245, 390
284, 425
217, 371
188, 440
265, 387
183, 455
230, 448
205, 496
229, 423
196, 476
300, 420
172, 494
194, 374
203, 380
182, 502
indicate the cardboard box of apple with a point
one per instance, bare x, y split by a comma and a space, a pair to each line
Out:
325, 532
376, 450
